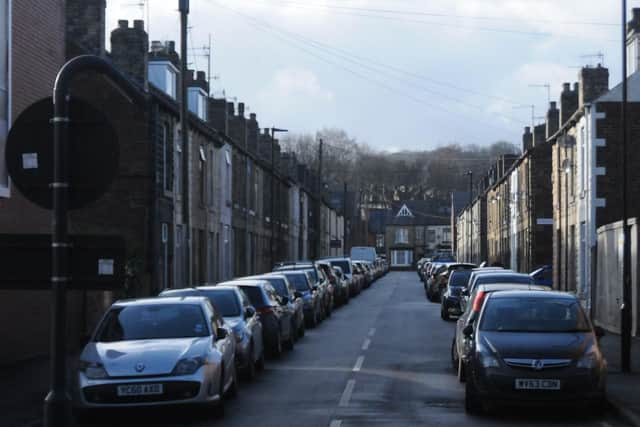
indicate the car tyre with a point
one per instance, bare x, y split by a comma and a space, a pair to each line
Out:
276, 350
250, 370
290, 342
472, 403
260, 362
454, 354
219, 405
302, 329
462, 370
444, 313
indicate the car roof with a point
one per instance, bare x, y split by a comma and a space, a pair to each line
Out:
162, 301
168, 292
510, 287
244, 282
535, 293
217, 288
337, 258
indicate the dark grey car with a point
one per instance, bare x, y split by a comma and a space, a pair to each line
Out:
533, 347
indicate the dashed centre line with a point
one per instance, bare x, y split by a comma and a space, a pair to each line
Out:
366, 344
372, 332
335, 423
346, 394
358, 364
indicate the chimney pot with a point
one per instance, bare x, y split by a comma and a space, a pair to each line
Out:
241, 109
156, 46
123, 23
138, 24
576, 87
252, 116
566, 87
202, 77
553, 105
231, 108
171, 46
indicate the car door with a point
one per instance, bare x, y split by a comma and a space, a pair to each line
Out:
282, 311
253, 324
226, 345
296, 302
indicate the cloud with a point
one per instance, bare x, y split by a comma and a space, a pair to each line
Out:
295, 86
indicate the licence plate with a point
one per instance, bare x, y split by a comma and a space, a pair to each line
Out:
139, 390
537, 384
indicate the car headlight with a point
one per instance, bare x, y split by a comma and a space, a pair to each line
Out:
487, 358
189, 365
93, 370
589, 360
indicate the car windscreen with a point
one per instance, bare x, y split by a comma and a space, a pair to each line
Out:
279, 285
299, 281
225, 302
154, 321
255, 295
459, 278
504, 278
526, 314
343, 264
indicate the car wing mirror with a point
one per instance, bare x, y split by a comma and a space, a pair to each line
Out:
221, 333
249, 312
468, 331
465, 292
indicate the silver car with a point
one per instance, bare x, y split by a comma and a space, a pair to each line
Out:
160, 351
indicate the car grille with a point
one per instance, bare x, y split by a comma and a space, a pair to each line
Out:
538, 364
107, 394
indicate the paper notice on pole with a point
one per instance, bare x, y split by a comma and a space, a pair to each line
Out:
105, 267
30, 161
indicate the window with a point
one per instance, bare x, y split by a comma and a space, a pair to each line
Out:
380, 241
167, 157
402, 235
5, 100
210, 175
198, 102
431, 236
162, 74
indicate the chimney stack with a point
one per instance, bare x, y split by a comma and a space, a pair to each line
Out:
527, 139
568, 102
539, 134
130, 51
241, 109
553, 120
594, 82
231, 109
85, 27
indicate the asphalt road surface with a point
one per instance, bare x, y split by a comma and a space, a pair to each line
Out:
381, 360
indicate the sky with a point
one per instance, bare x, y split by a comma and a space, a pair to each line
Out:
395, 74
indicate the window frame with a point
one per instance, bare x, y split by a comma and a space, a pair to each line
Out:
5, 189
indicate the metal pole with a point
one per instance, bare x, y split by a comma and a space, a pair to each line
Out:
320, 191
273, 197
186, 152
344, 220
470, 173
566, 217
57, 402
626, 316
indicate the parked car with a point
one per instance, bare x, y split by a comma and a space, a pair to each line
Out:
275, 317
365, 253
534, 347
438, 284
312, 303
345, 285
295, 304
238, 313
340, 287
543, 276
450, 301
360, 275
347, 270
317, 279
493, 277
470, 315
157, 351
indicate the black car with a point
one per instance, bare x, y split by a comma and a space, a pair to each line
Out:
310, 296
317, 279
533, 347
450, 301
284, 288
276, 319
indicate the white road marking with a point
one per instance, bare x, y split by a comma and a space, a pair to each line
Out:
366, 344
335, 423
359, 363
346, 394
372, 332
605, 424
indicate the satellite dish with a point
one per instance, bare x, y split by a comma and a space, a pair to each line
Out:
93, 153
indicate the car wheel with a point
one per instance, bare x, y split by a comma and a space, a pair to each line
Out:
250, 370
219, 405
276, 350
260, 362
289, 344
444, 313
232, 393
462, 372
329, 310
472, 403
454, 354
302, 329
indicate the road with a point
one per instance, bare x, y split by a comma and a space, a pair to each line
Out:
381, 360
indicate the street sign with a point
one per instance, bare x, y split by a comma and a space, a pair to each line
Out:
93, 153
336, 244
96, 262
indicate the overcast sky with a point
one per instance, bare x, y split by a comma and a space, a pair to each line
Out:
396, 74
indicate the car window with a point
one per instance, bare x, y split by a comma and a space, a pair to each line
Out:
279, 285
525, 314
255, 296
504, 278
225, 302
345, 265
459, 278
299, 281
157, 321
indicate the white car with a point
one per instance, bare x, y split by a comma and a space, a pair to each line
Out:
159, 351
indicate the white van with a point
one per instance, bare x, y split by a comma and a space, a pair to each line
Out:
364, 253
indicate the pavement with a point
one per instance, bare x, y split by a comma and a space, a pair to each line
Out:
623, 388
381, 360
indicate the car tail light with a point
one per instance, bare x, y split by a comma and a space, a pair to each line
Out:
265, 310
477, 303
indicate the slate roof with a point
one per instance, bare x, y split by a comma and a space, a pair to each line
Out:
378, 220
425, 212
459, 201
